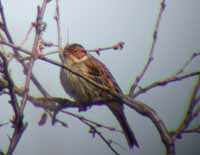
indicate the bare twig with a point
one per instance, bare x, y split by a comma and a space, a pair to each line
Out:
92, 122
195, 113
189, 116
93, 130
194, 55
164, 82
13, 98
4, 23
27, 35
39, 28
119, 45
150, 57
17, 121
57, 18
193, 130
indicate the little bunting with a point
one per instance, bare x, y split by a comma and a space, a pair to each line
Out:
77, 58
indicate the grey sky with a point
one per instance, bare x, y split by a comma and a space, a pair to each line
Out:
102, 23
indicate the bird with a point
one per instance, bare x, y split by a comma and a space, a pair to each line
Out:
80, 60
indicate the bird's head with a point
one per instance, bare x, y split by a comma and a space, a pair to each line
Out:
76, 51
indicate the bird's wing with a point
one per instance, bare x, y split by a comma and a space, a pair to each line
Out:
98, 72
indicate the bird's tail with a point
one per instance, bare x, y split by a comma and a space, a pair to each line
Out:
130, 137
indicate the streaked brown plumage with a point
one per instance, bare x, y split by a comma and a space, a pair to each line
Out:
79, 60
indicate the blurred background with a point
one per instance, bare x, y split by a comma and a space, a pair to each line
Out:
96, 24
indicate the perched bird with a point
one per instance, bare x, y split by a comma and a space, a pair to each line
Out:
76, 57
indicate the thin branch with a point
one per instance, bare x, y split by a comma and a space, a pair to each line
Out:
16, 137
119, 45
92, 122
39, 29
193, 130
57, 18
164, 82
150, 57
94, 131
195, 114
5, 29
27, 35
4, 23
13, 97
187, 63
17, 121
189, 116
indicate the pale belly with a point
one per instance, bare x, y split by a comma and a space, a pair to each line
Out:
78, 88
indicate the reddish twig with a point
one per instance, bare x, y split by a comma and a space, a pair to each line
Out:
119, 45
39, 28
27, 35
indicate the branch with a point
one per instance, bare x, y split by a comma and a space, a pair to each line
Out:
5, 30
190, 114
19, 126
17, 134
39, 28
93, 130
17, 121
57, 18
92, 122
27, 35
164, 82
10, 86
193, 130
150, 57
119, 45
194, 55
4, 24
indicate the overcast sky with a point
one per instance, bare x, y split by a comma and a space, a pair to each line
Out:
96, 24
